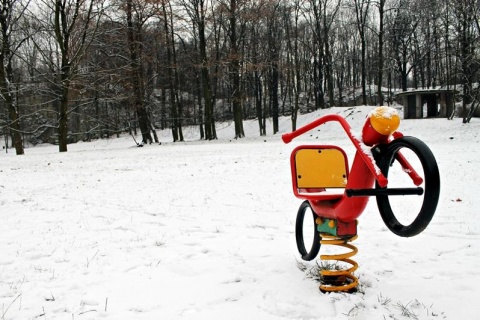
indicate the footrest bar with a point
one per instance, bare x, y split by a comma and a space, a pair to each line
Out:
383, 192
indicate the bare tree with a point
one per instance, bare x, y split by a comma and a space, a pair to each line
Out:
61, 32
330, 10
233, 8
401, 32
293, 50
318, 51
258, 69
362, 13
261, 58
381, 32
137, 14
74, 23
467, 12
10, 13
172, 70
197, 10
274, 45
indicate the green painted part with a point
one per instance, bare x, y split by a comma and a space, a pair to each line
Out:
325, 228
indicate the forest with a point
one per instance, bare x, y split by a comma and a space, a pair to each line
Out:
77, 70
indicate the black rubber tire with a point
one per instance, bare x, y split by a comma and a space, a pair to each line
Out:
315, 247
431, 186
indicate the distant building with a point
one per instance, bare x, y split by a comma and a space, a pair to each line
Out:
427, 103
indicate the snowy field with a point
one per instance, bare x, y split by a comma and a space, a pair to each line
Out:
205, 230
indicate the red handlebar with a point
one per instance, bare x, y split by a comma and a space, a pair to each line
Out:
288, 137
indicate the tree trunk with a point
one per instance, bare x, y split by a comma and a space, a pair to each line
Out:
319, 58
63, 113
467, 63
329, 13
381, 11
258, 103
14, 123
361, 10
257, 84
134, 42
64, 78
6, 80
273, 49
71, 52
178, 119
235, 72
364, 71
274, 95
329, 74
200, 114
210, 133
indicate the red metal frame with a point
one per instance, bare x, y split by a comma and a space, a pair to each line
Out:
363, 172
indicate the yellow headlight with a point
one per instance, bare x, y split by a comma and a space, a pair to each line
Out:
384, 120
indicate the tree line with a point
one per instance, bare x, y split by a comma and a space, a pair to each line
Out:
76, 70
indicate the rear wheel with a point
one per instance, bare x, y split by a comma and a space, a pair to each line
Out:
303, 229
407, 216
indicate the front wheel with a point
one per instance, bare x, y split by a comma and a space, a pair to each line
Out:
412, 213
302, 225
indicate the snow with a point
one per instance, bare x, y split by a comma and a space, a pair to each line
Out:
205, 230
384, 113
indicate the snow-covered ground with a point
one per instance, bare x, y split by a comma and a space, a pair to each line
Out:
205, 230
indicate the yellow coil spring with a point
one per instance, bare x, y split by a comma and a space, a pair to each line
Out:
339, 280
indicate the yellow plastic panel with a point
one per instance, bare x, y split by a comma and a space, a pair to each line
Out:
320, 168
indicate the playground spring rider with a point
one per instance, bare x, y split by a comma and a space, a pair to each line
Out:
319, 172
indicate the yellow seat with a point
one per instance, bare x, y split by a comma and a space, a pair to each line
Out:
318, 168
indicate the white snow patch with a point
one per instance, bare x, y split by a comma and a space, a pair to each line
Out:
205, 230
